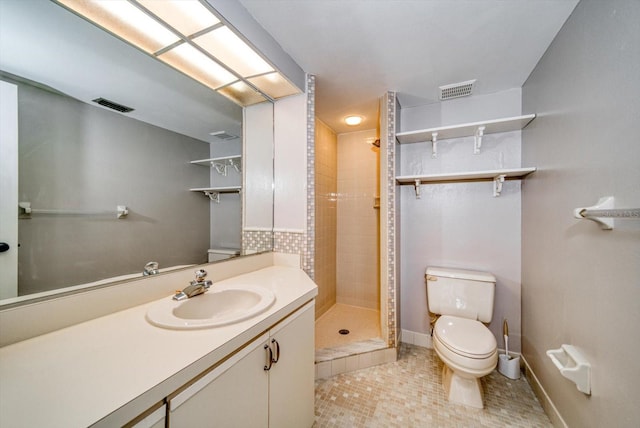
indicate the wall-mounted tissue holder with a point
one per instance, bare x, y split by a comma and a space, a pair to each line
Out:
572, 365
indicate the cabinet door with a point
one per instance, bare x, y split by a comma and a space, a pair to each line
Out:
234, 394
291, 381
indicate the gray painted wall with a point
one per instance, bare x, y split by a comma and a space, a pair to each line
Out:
462, 225
84, 158
580, 284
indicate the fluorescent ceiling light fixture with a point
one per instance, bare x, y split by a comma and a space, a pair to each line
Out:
127, 21
194, 63
353, 120
190, 37
274, 84
242, 94
186, 16
233, 51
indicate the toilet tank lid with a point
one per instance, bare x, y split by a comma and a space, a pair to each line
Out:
472, 275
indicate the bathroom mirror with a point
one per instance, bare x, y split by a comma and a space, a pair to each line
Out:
103, 192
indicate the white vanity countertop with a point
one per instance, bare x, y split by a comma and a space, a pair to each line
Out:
85, 374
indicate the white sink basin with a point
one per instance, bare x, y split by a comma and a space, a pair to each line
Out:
215, 308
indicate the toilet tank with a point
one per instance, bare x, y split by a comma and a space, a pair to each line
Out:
217, 254
463, 293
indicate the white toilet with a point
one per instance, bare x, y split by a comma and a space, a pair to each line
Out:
464, 299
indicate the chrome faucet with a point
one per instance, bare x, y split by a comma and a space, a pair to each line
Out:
196, 287
150, 268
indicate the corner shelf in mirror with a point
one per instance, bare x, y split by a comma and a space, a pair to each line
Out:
498, 176
214, 192
473, 129
220, 164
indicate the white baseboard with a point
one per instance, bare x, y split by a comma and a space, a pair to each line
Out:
545, 401
418, 339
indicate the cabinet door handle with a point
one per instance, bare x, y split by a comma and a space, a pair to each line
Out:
269, 357
275, 360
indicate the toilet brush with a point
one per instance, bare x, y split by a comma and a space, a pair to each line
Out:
505, 333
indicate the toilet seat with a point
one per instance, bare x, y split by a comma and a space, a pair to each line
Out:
465, 337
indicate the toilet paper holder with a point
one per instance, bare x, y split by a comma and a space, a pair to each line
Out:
572, 365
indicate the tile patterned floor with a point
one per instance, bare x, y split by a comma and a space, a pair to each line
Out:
408, 393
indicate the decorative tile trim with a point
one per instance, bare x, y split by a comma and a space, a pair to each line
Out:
257, 240
289, 242
391, 217
308, 255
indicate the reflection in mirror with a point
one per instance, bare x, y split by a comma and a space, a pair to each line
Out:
79, 161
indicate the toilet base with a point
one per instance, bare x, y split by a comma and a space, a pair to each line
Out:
462, 390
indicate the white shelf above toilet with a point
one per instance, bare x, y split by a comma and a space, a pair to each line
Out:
465, 129
498, 176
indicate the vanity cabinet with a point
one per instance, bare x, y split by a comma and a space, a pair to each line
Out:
267, 383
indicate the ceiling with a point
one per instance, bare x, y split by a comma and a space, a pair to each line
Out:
359, 49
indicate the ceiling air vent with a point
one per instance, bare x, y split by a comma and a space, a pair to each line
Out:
223, 135
456, 90
113, 106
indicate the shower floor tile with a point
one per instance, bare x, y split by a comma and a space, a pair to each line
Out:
408, 393
363, 324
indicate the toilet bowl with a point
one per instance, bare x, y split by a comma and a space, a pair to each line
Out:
469, 351
464, 300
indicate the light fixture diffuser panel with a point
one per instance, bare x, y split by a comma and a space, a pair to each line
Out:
186, 16
230, 49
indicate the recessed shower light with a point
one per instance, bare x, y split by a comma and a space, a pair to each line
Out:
353, 120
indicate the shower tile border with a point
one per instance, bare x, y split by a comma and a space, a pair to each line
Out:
390, 111
351, 363
308, 254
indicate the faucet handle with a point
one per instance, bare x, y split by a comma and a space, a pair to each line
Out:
201, 274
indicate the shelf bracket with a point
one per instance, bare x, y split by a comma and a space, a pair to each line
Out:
417, 187
220, 168
478, 139
434, 145
497, 185
236, 164
214, 196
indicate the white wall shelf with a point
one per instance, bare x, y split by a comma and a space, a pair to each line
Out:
498, 176
477, 129
214, 192
221, 163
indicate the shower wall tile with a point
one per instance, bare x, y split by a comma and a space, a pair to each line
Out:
325, 220
357, 267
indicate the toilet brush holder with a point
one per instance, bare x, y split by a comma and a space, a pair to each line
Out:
509, 367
